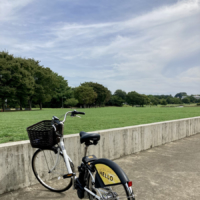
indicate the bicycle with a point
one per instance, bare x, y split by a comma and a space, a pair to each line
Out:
98, 178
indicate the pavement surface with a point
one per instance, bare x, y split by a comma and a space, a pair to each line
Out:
170, 171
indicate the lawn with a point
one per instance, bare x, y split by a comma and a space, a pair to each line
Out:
13, 124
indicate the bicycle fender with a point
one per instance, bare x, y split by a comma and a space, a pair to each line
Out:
108, 173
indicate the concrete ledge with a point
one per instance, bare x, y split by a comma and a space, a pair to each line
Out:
15, 157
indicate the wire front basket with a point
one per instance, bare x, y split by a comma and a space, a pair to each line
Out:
42, 135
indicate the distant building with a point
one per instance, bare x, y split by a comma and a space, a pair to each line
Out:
196, 97
183, 97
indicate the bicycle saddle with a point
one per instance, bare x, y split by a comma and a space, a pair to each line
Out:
88, 137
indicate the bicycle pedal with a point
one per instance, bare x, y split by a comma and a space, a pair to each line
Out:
69, 175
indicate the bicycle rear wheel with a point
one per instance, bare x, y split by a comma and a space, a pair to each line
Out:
115, 192
50, 174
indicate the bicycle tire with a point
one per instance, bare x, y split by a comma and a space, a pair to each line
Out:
42, 162
118, 191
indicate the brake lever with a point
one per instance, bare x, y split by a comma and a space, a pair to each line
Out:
54, 127
72, 115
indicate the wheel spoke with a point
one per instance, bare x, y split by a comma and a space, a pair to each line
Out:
46, 160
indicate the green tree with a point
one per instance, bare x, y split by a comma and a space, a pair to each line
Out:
25, 80
35, 67
17, 81
45, 84
181, 94
153, 100
186, 100
116, 101
177, 100
143, 100
162, 96
170, 100
121, 94
85, 95
101, 91
108, 95
25, 86
163, 102
61, 91
8, 79
132, 98
12, 103
71, 102
192, 99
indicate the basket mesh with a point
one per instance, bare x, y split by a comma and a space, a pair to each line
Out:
42, 135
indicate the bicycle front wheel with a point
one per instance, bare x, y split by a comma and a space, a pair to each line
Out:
49, 168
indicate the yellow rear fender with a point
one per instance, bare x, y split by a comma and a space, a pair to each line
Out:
108, 173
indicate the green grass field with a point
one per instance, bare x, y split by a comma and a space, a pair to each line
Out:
13, 124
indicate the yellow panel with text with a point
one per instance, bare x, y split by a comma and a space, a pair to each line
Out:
108, 176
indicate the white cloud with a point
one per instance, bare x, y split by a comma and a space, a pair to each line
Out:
133, 54
161, 16
166, 14
191, 74
9, 8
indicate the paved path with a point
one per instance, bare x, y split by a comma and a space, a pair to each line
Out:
171, 171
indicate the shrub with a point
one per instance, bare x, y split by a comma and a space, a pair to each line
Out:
71, 102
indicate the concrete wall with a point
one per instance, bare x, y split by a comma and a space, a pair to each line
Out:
15, 157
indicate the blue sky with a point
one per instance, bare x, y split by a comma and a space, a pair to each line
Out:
148, 46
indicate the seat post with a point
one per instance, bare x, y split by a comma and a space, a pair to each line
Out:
86, 147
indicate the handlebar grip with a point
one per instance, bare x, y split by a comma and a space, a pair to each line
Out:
74, 113
80, 113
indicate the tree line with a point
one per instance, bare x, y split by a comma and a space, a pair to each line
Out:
133, 98
26, 83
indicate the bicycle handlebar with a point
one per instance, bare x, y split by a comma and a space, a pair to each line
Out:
58, 125
73, 113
